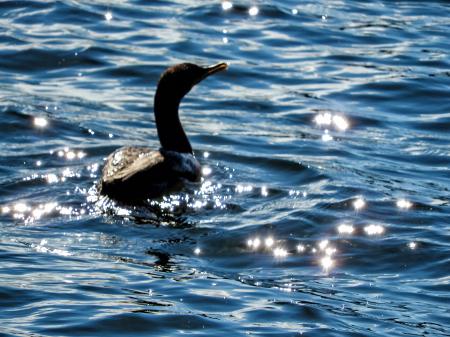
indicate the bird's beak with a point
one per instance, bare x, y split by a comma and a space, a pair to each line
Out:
207, 71
215, 68
212, 70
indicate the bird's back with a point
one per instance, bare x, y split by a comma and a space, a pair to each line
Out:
133, 173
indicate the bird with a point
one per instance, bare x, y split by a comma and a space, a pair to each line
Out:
136, 173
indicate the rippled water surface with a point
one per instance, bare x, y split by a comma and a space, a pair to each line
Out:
324, 206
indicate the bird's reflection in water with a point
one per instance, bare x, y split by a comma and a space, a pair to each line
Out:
163, 261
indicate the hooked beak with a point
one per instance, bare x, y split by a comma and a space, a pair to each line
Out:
213, 69
216, 68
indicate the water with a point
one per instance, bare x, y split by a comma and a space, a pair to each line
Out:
324, 210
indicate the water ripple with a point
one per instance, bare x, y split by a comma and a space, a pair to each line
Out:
324, 203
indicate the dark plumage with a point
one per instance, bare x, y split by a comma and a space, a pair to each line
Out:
135, 173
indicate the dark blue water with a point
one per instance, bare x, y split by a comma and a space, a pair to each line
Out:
324, 209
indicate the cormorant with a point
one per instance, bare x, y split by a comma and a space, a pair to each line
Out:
136, 173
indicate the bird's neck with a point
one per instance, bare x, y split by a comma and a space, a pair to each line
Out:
170, 131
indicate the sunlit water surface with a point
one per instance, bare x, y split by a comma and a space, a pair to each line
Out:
324, 206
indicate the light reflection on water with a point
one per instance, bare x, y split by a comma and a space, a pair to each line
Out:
327, 120
374, 229
359, 203
319, 155
404, 204
40, 122
226, 5
281, 250
253, 11
345, 229
209, 194
31, 213
43, 247
108, 16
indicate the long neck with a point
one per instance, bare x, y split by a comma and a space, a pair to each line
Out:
170, 132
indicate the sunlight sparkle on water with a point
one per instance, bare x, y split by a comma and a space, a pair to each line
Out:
269, 242
254, 243
359, 204
40, 122
297, 193
30, 213
243, 188
326, 262
226, 5
51, 178
43, 209
326, 137
264, 191
323, 244
108, 16
374, 229
412, 245
21, 207
206, 170
340, 122
330, 251
41, 248
280, 252
328, 119
345, 229
70, 154
300, 248
404, 204
68, 173
197, 251
253, 11
294, 11
323, 119
93, 168
63, 210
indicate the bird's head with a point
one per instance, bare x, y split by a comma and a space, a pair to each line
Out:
178, 80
